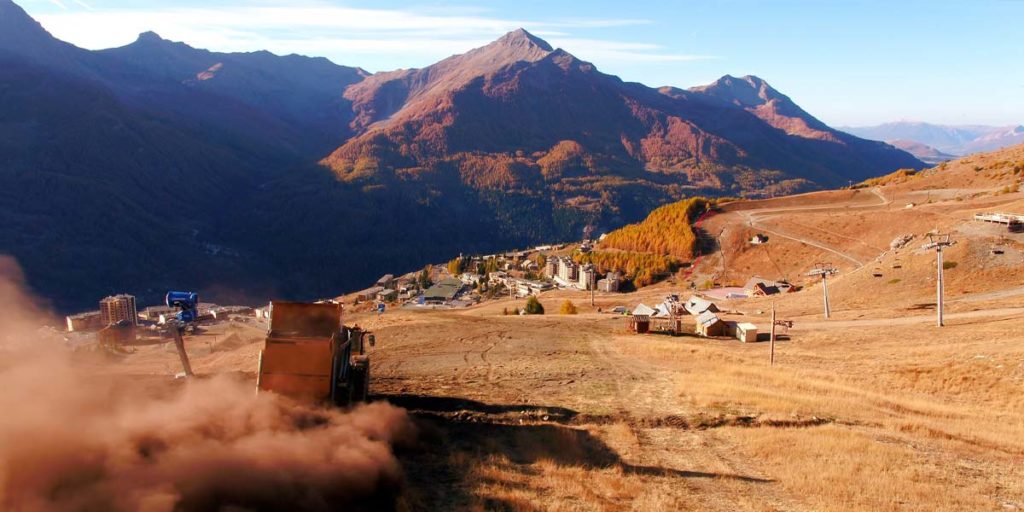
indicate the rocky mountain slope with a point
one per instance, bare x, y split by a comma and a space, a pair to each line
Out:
517, 114
158, 165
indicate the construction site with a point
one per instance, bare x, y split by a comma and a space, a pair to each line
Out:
865, 398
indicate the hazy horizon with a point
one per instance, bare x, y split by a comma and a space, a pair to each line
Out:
850, 65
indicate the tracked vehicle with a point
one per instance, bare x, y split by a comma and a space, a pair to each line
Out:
311, 356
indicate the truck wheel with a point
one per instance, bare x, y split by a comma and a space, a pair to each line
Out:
341, 392
357, 381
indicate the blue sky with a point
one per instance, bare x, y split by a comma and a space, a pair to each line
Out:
850, 62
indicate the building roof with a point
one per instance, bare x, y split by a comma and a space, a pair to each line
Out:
84, 314
746, 326
763, 289
373, 290
643, 310
664, 310
696, 305
707, 318
385, 278
446, 289
766, 286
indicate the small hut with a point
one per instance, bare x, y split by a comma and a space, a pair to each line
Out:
746, 332
640, 321
708, 324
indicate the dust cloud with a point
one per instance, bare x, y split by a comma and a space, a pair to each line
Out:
75, 439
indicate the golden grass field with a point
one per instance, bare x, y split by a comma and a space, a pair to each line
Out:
875, 409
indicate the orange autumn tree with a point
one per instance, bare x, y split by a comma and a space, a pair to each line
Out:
667, 231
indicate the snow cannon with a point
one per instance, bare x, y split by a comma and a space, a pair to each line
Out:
187, 304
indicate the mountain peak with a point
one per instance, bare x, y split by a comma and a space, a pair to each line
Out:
520, 38
745, 91
150, 37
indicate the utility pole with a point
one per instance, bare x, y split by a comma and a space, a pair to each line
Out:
593, 284
177, 328
824, 270
938, 242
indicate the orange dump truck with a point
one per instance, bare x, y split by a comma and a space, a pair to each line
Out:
310, 355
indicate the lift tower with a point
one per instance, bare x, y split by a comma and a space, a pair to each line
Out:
824, 270
938, 242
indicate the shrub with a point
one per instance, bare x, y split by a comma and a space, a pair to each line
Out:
504, 311
946, 265
533, 306
568, 308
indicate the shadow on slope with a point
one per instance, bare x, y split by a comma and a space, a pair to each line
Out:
460, 436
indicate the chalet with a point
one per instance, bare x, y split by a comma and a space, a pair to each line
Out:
759, 286
369, 293
708, 324
386, 281
696, 306
640, 320
387, 295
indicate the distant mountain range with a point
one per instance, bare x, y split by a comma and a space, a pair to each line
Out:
924, 153
952, 140
250, 175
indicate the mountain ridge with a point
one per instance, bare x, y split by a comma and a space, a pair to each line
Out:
437, 117
957, 140
200, 169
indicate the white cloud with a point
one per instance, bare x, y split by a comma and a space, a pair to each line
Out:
339, 33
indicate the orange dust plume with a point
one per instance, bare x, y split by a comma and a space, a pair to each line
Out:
73, 439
